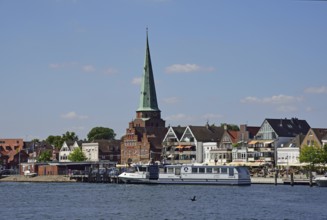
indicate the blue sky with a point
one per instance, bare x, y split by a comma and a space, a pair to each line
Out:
71, 65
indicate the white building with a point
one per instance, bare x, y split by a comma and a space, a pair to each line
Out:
208, 156
91, 151
65, 150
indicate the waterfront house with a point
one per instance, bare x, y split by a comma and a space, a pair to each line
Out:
34, 149
240, 152
11, 153
274, 133
289, 153
223, 153
109, 150
186, 144
315, 137
65, 150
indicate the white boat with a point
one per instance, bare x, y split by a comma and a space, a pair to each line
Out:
321, 181
186, 174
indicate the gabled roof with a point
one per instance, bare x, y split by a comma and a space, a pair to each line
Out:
289, 127
179, 131
253, 130
320, 133
296, 141
233, 135
207, 133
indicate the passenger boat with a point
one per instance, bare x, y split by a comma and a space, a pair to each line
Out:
186, 174
321, 181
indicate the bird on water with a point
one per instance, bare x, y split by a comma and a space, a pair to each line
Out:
193, 199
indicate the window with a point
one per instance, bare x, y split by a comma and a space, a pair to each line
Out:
194, 170
223, 170
216, 170
209, 170
201, 170
231, 171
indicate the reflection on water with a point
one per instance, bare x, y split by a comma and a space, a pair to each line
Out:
112, 201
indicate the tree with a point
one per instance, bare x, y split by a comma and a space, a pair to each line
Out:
45, 156
311, 155
99, 133
230, 127
57, 141
77, 155
70, 136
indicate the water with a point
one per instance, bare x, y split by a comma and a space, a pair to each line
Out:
76, 201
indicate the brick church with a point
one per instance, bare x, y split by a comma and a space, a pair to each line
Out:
143, 139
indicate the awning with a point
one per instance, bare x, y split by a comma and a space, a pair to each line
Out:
253, 142
187, 147
179, 147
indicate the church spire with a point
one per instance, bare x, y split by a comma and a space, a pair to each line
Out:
148, 97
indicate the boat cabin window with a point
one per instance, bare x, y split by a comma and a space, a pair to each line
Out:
223, 170
209, 170
142, 169
194, 170
201, 170
170, 170
216, 170
231, 171
177, 171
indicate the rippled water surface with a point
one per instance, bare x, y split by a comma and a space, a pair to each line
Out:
120, 201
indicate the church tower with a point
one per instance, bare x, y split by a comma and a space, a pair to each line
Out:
143, 139
148, 112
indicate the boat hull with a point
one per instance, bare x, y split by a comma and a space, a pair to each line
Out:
321, 182
188, 181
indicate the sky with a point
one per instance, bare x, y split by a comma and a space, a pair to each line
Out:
71, 65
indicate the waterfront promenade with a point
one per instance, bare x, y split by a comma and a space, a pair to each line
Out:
52, 178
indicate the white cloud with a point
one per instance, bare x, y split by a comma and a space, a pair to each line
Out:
73, 115
88, 68
316, 90
171, 100
275, 100
137, 81
187, 68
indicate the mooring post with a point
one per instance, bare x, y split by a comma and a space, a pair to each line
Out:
292, 179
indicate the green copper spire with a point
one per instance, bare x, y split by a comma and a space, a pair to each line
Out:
148, 98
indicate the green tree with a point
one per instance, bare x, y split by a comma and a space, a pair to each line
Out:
45, 156
311, 155
57, 141
77, 155
324, 154
70, 136
99, 133
230, 127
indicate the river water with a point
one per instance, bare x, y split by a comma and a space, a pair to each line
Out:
120, 201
